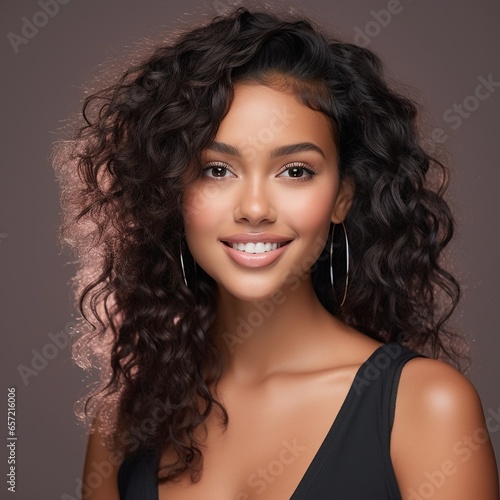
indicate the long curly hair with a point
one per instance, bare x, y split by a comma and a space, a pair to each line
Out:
123, 172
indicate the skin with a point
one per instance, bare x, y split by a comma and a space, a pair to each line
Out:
254, 193
298, 360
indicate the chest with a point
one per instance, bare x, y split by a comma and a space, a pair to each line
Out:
271, 441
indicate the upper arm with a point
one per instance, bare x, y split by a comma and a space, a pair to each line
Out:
100, 473
440, 446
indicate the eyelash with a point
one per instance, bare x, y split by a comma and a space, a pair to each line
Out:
308, 168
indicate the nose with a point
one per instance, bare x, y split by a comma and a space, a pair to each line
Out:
255, 204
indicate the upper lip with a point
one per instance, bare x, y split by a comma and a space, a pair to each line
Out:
256, 237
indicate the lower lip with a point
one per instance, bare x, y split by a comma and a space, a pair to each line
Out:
254, 259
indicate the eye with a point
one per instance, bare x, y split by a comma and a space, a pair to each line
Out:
297, 170
216, 170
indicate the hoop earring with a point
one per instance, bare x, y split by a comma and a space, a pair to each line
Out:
182, 264
347, 262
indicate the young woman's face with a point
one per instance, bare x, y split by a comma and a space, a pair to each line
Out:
270, 179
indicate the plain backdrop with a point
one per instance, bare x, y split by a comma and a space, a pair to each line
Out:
441, 49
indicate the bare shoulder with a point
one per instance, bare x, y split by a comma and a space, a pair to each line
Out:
100, 473
440, 445
439, 387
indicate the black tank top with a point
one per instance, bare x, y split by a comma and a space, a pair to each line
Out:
353, 461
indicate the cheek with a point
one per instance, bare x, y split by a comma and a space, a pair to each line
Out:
310, 210
200, 205
205, 211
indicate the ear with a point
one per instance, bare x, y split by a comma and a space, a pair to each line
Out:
343, 202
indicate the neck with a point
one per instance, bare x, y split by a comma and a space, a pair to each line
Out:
286, 332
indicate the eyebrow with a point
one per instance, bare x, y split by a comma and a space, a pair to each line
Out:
222, 147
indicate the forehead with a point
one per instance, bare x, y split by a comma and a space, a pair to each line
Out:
268, 117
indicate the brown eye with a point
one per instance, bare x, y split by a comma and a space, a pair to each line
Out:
296, 171
216, 171
299, 172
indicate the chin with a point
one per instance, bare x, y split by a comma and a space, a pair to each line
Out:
241, 292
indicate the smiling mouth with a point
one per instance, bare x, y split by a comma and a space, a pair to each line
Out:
257, 247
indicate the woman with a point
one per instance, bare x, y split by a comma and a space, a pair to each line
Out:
260, 234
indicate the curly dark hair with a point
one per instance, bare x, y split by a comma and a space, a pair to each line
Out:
122, 175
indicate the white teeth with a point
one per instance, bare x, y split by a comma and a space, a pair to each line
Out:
259, 247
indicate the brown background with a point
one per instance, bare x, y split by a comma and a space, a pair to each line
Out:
439, 48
